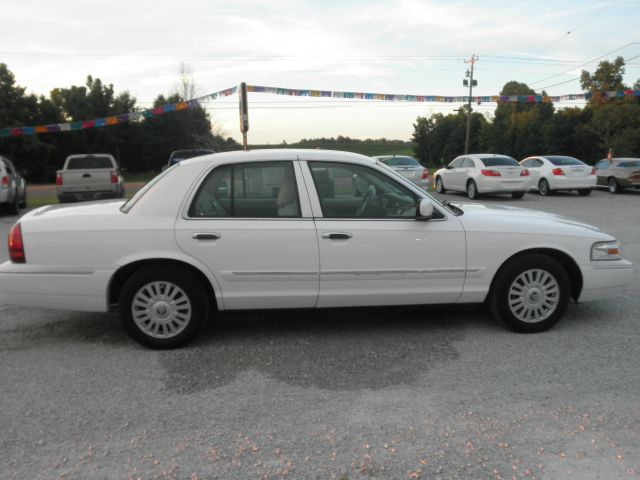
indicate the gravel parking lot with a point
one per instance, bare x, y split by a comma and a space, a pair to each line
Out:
368, 393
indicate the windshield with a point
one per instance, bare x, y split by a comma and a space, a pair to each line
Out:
82, 163
148, 186
500, 162
564, 161
401, 161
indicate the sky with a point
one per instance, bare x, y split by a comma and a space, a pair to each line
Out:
394, 47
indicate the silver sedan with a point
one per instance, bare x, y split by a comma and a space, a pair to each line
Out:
408, 167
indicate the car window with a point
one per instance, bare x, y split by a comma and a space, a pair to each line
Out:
630, 164
357, 191
10, 168
401, 162
530, 163
468, 163
500, 162
248, 190
559, 161
81, 163
602, 164
456, 163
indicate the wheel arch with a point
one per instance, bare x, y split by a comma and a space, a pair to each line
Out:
563, 258
124, 272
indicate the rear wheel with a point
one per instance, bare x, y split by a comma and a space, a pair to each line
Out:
584, 192
472, 190
440, 185
614, 186
543, 188
14, 205
23, 203
162, 307
531, 293
517, 195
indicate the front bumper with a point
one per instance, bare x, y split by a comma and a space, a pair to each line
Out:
605, 279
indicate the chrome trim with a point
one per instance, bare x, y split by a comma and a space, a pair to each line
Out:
394, 271
611, 267
206, 236
283, 273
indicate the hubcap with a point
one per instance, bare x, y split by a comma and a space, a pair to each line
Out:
439, 185
161, 309
544, 189
534, 295
472, 190
613, 185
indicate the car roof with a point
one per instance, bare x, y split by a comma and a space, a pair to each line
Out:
275, 154
485, 155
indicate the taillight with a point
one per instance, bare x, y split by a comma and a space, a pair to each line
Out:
16, 247
593, 170
5, 181
114, 176
557, 171
524, 173
58, 178
425, 174
490, 173
634, 176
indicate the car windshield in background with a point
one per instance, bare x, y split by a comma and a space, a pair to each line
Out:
401, 162
630, 164
500, 162
82, 163
564, 161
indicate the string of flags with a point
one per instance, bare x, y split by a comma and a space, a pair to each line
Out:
293, 92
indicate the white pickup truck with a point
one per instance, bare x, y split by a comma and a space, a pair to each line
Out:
89, 177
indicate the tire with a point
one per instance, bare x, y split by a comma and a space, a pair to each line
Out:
23, 203
543, 187
613, 185
517, 195
530, 294
584, 192
472, 190
440, 185
177, 302
14, 205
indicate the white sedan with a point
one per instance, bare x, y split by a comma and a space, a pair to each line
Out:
260, 229
550, 173
483, 173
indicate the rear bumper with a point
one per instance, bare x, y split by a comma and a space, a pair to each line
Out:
568, 183
54, 287
606, 280
90, 195
502, 185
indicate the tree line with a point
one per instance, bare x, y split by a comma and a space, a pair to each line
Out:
138, 146
521, 130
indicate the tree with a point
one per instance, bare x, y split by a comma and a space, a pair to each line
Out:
608, 76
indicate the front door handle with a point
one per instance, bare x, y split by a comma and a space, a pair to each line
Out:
206, 236
337, 235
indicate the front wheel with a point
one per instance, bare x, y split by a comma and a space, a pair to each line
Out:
472, 190
614, 186
531, 293
162, 307
517, 195
440, 185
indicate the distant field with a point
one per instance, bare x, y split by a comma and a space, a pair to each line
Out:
369, 149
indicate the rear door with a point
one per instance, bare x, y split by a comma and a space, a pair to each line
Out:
251, 224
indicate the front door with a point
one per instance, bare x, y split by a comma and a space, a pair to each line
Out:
373, 251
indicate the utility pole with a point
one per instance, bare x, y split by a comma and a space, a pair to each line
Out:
244, 113
471, 83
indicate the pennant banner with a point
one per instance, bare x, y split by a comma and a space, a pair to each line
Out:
294, 92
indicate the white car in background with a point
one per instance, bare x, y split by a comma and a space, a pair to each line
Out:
481, 173
408, 167
550, 173
253, 230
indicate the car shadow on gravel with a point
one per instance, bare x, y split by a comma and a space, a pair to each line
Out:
329, 349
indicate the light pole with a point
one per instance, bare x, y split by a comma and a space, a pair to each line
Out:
471, 83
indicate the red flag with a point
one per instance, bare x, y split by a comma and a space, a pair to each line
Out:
609, 155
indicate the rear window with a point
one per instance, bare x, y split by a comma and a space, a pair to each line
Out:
401, 162
632, 164
500, 162
564, 161
82, 163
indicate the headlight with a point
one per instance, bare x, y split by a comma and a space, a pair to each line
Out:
606, 251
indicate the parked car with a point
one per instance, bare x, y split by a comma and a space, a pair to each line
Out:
550, 173
481, 173
618, 173
251, 230
408, 167
13, 188
89, 177
179, 155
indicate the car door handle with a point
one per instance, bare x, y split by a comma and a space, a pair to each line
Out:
337, 235
206, 236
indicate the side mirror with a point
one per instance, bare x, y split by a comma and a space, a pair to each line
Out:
424, 210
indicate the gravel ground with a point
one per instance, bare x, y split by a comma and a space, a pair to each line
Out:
349, 394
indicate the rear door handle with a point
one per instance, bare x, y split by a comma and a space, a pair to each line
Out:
337, 235
206, 236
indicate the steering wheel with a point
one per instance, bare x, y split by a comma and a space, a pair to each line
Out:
371, 191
